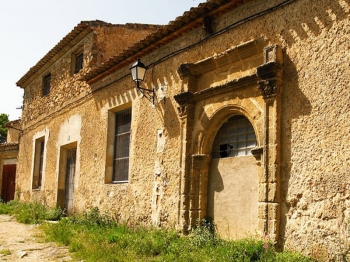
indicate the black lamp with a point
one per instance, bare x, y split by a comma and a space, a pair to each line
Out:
138, 71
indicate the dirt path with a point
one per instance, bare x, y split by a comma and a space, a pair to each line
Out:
20, 242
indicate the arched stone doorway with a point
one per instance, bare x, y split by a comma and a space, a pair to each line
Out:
233, 180
205, 103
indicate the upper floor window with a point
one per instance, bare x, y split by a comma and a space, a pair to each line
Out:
46, 84
236, 137
79, 62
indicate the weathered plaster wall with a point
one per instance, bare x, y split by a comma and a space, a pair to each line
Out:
316, 128
233, 196
314, 125
13, 131
10, 161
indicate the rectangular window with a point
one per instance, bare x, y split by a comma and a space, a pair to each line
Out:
121, 146
46, 84
79, 59
38, 163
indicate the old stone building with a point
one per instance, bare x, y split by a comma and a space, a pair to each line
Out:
245, 119
8, 161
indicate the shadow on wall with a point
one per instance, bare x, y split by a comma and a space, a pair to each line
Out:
294, 103
215, 185
113, 95
116, 95
313, 25
165, 109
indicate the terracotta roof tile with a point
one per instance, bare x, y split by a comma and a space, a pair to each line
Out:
12, 144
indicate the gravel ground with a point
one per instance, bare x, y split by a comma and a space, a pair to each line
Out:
20, 242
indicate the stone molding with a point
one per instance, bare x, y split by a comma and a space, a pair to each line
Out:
257, 152
267, 88
184, 100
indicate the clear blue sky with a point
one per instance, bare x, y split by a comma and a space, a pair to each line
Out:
30, 28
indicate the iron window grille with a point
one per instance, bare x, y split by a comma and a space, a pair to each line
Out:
122, 146
236, 137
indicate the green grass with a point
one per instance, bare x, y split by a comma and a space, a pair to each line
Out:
93, 236
30, 213
5, 252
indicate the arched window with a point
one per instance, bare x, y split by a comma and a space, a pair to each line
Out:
236, 137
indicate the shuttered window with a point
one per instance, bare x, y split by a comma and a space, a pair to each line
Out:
236, 137
121, 146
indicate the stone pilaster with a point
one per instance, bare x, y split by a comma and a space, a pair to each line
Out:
186, 112
270, 74
199, 187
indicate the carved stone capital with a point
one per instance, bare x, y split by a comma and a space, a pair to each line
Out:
267, 88
184, 110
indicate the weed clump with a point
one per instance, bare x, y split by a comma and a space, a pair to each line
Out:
93, 217
5, 252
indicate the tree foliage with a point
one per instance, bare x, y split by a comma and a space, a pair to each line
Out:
3, 130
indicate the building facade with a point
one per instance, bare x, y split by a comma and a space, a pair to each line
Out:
249, 123
8, 161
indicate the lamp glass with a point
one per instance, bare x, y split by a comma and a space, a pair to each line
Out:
138, 71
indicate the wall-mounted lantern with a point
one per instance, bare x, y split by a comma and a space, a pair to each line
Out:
138, 71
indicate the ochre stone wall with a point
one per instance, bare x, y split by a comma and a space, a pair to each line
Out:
98, 46
316, 128
308, 124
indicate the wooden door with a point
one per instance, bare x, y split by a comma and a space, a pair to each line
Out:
8, 182
70, 177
